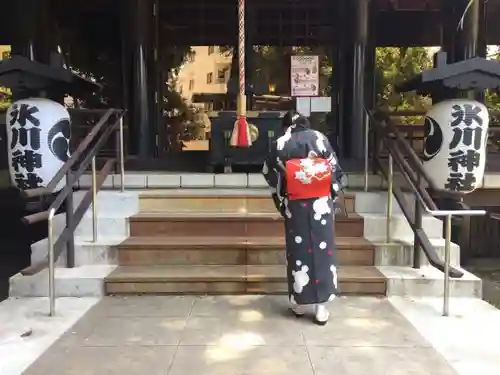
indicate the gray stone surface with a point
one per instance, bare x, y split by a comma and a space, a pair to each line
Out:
377, 360
239, 335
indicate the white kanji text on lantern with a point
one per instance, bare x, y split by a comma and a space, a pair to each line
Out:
456, 133
38, 134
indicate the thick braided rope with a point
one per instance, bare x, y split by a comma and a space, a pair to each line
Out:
241, 44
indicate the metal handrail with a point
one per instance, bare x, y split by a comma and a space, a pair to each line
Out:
71, 161
494, 115
422, 201
88, 149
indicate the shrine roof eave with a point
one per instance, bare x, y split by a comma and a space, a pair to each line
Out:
482, 74
20, 72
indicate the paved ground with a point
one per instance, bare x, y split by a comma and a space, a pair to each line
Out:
489, 272
26, 331
238, 336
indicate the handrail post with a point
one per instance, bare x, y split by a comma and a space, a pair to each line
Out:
94, 201
367, 146
70, 245
389, 199
418, 226
447, 250
121, 158
50, 241
375, 150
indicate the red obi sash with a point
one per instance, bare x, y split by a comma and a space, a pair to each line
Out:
308, 178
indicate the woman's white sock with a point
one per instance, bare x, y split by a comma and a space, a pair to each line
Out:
322, 313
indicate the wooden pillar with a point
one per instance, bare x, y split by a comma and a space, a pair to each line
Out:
335, 133
466, 36
32, 36
341, 70
141, 21
370, 60
482, 45
352, 124
157, 85
461, 40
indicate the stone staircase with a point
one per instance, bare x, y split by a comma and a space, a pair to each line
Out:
228, 240
226, 245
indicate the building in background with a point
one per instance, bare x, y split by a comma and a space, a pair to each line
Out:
4, 52
4, 92
206, 73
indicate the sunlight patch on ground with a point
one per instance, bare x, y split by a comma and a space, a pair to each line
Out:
365, 323
242, 300
177, 324
251, 316
233, 346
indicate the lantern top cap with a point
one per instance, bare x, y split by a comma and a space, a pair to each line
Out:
476, 73
19, 72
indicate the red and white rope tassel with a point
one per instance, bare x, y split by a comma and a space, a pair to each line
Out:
241, 130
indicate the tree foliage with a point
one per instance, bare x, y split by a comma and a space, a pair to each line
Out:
492, 97
5, 98
5, 93
394, 66
271, 66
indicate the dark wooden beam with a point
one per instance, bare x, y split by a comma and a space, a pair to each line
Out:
281, 22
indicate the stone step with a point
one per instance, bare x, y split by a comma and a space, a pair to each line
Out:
90, 280
219, 279
105, 252
226, 224
215, 200
111, 203
173, 180
152, 251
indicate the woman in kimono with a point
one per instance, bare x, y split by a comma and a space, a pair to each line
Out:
304, 175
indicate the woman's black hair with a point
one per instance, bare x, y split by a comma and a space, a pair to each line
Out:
294, 118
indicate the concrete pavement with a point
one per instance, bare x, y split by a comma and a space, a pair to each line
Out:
247, 335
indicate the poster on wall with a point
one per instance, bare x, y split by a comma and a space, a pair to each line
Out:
304, 75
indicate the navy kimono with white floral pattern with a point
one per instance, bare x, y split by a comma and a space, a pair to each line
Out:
310, 239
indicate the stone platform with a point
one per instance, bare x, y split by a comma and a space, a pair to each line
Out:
254, 335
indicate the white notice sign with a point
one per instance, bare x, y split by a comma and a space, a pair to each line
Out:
304, 75
303, 106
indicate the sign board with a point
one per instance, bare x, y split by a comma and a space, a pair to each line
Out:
307, 105
303, 106
304, 75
